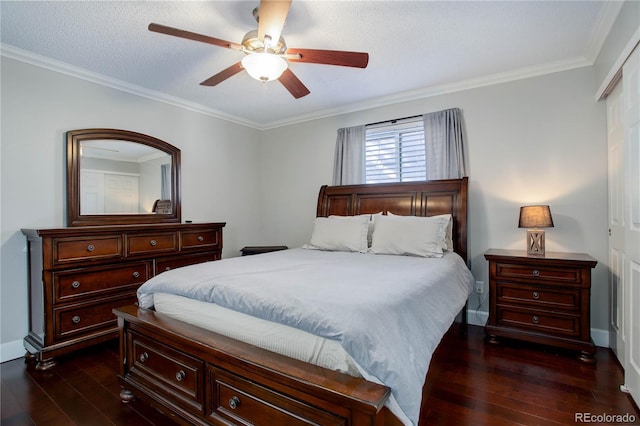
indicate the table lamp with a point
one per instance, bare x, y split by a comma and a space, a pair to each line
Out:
535, 217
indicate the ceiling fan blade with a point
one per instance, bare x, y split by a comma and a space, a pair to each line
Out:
329, 57
293, 84
223, 75
271, 17
162, 29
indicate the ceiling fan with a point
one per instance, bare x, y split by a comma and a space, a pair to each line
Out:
267, 56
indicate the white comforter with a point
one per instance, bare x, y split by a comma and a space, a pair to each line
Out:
388, 312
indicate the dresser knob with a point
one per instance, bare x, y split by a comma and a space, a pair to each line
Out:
75, 284
200, 238
153, 242
136, 274
168, 268
144, 357
536, 273
180, 375
91, 248
234, 402
75, 319
535, 319
536, 295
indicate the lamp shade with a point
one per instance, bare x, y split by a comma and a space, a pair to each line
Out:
264, 66
535, 217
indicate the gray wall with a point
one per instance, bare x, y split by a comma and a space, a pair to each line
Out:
536, 140
219, 168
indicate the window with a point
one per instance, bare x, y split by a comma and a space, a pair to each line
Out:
395, 152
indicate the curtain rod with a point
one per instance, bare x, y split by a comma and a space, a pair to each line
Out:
395, 120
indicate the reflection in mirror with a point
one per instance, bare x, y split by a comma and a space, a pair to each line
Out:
121, 177
117, 177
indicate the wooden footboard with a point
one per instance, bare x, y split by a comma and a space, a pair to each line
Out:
206, 378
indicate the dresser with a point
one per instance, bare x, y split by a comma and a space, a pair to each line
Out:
541, 299
78, 275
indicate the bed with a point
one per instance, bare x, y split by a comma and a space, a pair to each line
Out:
190, 358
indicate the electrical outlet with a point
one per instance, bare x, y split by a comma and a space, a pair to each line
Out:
479, 286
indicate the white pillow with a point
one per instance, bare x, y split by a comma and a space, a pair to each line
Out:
340, 233
446, 223
372, 223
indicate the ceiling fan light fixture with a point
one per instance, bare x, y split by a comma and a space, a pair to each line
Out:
264, 66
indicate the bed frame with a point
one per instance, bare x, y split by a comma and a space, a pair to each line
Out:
200, 377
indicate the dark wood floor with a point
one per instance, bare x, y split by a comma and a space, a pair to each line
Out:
470, 383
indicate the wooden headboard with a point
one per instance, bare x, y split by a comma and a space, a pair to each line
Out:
426, 198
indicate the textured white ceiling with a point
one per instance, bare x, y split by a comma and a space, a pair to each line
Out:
416, 48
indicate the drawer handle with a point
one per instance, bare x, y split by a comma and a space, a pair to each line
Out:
75, 284
180, 375
144, 357
75, 319
535, 319
168, 268
91, 248
536, 273
536, 295
136, 274
234, 402
200, 238
153, 242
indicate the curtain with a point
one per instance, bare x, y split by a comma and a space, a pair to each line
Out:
444, 144
165, 181
348, 165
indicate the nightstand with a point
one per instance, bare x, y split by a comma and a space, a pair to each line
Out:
541, 299
250, 250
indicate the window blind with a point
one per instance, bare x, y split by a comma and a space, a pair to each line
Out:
395, 152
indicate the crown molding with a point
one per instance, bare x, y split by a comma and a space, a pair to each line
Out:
427, 92
431, 91
97, 78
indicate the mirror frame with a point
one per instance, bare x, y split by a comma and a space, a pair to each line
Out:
75, 218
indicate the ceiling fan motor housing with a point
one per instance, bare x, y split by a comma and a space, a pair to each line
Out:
252, 43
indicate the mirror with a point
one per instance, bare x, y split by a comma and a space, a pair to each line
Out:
121, 177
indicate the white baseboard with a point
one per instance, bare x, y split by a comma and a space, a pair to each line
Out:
600, 337
11, 350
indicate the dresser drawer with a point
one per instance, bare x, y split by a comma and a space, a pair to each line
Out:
152, 362
95, 282
197, 239
152, 243
539, 273
541, 321
78, 320
69, 250
538, 296
169, 263
242, 402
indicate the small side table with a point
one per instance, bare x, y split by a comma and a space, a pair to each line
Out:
250, 250
541, 299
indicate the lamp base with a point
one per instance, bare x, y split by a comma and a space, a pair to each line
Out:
535, 242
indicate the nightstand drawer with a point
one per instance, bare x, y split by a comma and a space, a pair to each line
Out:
538, 273
538, 296
545, 322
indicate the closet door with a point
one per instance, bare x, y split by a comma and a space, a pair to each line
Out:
615, 144
631, 96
